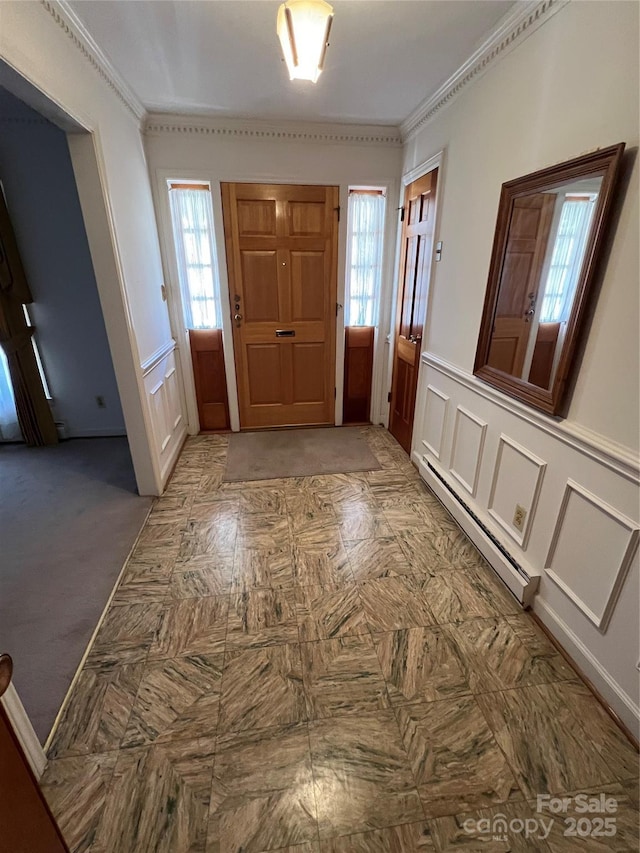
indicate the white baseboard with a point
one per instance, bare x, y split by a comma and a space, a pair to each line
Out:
24, 731
522, 584
607, 687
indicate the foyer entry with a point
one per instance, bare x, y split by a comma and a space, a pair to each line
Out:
281, 246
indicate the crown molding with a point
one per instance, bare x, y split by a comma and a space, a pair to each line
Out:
340, 134
521, 21
68, 21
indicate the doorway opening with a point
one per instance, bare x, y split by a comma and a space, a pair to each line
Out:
281, 247
69, 512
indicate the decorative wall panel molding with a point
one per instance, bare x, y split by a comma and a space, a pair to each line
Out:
64, 16
592, 548
165, 399
435, 416
466, 451
346, 134
613, 456
517, 480
521, 21
148, 365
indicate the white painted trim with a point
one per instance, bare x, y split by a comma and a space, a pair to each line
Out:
154, 360
65, 17
423, 168
24, 731
609, 689
522, 586
519, 23
523, 539
622, 460
601, 622
430, 388
472, 487
305, 132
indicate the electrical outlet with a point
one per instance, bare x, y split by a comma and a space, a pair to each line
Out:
518, 517
101, 403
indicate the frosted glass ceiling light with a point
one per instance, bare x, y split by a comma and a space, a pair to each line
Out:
303, 29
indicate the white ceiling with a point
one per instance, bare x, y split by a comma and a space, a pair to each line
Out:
222, 57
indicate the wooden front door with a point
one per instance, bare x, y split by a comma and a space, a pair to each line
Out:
523, 259
281, 244
415, 267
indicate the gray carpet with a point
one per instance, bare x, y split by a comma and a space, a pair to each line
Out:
68, 518
272, 454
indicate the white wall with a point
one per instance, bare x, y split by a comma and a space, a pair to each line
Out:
197, 149
569, 88
39, 186
113, 185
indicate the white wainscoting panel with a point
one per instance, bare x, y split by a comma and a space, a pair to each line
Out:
517, 479
576, 562
435, 417
466, 451
167, 410
591, 551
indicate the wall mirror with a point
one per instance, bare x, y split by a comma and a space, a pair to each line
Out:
548, 236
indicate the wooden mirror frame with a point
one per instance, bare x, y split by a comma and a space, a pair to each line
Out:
606, 163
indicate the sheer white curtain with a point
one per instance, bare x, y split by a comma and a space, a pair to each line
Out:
192, 219
366, 237
566, 260
9, 429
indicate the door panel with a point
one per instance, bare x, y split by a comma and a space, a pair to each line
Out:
256, 218
265, 374
358, 373
282, 253
260, 272
209, 376
415, 267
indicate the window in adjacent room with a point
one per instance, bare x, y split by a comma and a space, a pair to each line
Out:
192, 220
364, 262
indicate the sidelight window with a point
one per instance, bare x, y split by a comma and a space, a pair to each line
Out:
364, 264
567, 257
192, 220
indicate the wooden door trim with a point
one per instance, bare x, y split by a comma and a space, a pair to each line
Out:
329, 194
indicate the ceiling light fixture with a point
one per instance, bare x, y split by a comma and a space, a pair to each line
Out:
303, 29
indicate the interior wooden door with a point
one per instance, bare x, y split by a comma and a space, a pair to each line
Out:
524, 256
415, 267
26, 822
281, 244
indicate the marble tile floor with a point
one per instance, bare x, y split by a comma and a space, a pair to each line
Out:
323, 665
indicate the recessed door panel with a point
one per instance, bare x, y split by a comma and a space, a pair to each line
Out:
256, 218
308, 373
306, 218
282, 285
265, 374
308, 285
259, 298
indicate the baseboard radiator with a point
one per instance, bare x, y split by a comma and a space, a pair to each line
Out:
520, 581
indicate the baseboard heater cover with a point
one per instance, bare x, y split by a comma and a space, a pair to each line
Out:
518, 581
